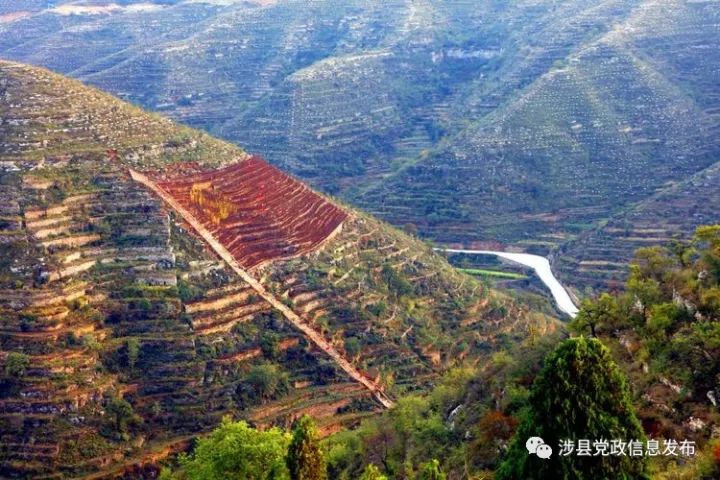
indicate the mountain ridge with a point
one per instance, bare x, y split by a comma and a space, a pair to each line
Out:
597, 96
124, 335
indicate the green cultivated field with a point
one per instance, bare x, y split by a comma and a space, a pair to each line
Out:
492, 273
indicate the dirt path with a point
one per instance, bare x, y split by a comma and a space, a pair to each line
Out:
293, 317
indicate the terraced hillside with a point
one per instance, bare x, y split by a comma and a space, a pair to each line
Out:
595, 258
528, 123
257, 212
608, 122
124, 333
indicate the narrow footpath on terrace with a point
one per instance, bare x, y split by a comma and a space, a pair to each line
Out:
302, 325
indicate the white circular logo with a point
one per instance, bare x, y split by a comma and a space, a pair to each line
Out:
544, 451
537, 446
533, 443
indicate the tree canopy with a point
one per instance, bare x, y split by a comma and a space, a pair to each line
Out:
579, 394
236, 451
431, 471
305, 459
371, 472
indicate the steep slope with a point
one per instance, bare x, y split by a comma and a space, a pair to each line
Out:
529, 122
598, 257
109, 291
609, 122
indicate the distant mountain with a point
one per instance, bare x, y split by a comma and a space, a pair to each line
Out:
595, 257
124, 331
530, 123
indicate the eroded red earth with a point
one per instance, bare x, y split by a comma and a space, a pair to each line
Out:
253, 209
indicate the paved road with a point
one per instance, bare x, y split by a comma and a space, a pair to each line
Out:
541, 265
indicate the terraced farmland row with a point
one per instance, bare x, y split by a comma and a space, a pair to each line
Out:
599, 258
52, 312
255, 211
110, 305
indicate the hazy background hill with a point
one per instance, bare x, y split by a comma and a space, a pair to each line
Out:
531, 123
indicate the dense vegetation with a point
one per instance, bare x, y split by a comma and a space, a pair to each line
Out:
122, 337
657, 337
236, 451
579, 394
668, 316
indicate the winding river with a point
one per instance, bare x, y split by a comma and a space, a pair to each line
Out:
541, 265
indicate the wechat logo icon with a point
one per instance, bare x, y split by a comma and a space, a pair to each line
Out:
537, 446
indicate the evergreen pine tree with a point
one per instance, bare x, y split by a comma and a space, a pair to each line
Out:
305, 459
580, 394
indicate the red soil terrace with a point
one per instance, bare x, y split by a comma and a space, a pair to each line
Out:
254, 210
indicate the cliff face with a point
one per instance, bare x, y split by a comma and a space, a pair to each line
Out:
122, 334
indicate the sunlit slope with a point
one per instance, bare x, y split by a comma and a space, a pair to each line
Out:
525, 122
46, 116
106, 294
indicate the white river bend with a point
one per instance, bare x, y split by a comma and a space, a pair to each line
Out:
541, 265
